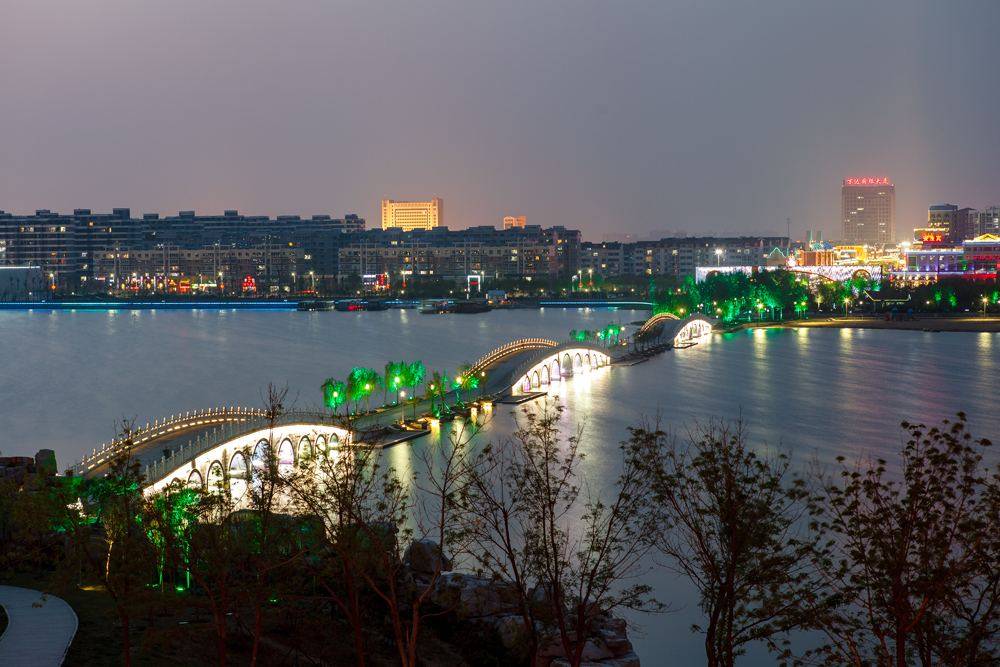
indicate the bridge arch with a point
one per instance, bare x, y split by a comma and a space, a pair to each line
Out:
496, 356
655, 321
215, 482
239, 476
306, 452
285, 460
545, 366
667, 329
194, 480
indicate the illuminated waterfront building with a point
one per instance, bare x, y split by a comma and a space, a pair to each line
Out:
675, 256
974, 259
531, 251
67, 246
868, 210
22, 283
410, 215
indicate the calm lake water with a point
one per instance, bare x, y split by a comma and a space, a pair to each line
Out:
68, 376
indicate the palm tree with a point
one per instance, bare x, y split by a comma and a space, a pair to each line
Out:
395, 372
465, 380
435, 388
334, 394
361, 382
414, 377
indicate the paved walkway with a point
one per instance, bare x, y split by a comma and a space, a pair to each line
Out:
40, 628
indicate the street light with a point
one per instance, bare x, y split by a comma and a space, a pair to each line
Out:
718, 256
312, 277
847, 302
985, 301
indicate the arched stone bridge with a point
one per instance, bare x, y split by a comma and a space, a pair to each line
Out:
229, 462
163, 433
542, 368
668, 329
221, 446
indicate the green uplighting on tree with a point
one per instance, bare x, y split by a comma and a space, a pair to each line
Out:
361, 382
412, 378
334, 394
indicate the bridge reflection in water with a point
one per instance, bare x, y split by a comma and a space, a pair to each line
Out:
220, 448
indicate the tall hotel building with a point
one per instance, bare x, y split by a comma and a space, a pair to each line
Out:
410, 215
868, 211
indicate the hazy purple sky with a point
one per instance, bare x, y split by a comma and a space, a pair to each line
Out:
607, 116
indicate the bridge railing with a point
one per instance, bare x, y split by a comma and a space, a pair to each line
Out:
187, 452
158, 429
508, 349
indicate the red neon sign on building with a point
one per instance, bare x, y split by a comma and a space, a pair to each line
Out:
868, 181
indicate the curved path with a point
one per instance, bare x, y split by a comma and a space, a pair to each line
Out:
40, 628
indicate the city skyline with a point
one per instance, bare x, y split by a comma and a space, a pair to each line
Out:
597, 119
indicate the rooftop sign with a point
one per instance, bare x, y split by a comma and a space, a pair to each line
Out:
867, 181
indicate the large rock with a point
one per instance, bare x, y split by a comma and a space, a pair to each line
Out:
471, 597
45, 462
631, 660
425, 557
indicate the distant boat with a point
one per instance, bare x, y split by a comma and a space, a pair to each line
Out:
360, 305
315, 304
442, 306
437, 306
472, 306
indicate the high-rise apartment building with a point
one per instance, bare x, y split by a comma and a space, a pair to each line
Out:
989, 221
410, 215
939, 229
512, 221
868, 210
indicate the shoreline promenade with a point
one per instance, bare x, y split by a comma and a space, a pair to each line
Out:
965, 323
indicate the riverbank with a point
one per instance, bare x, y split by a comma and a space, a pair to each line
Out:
969, 323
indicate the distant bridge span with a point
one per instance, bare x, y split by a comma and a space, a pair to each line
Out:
666, 328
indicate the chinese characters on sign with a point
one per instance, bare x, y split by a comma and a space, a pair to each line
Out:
867, 181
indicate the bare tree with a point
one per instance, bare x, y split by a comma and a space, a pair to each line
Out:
268, 533
127, 555
370, 512
568, 559
217, 550
736, 526
335, 486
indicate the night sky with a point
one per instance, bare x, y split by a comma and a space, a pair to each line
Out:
707, 117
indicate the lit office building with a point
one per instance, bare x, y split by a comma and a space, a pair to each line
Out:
410, 215
868, 210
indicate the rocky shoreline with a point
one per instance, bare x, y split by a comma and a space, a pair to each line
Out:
484, 607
